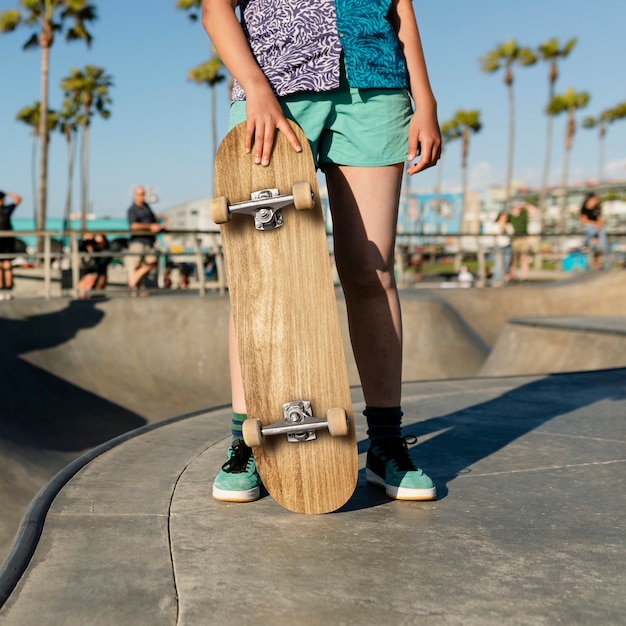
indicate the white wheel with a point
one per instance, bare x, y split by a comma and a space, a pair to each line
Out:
252, 433
220, 212
338, 425
302, 196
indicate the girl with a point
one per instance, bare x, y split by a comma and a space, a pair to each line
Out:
346, 72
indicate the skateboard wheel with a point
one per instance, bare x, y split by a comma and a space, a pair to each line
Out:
220, 212
302, 196
338, 425
252, 433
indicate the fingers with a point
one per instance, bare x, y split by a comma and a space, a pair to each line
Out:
286, 129
261, 133
424, 141
259, 140
429, 152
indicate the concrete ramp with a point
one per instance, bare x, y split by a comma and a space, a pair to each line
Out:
438, 342
486, 311
558, 344
75, 374
527, 528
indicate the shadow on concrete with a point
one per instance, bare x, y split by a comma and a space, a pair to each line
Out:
42, 410
479, 431
465, 437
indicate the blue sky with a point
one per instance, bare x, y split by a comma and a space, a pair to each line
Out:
159, 131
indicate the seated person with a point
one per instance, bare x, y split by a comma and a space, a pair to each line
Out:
95, 268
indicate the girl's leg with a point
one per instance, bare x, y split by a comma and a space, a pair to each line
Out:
238, 480
236, 382
364, 205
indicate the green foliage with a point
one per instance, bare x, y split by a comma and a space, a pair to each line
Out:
190, 5
207, 73
30, 115
88, 90
569, 100
48, 17
505, 55
551, 50
9, 20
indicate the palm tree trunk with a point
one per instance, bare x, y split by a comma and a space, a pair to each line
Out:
67, 215
84, 178
546, 170
213, 129
509, 167
464, 151
33, 175
43, 140
568, 146
439, 180
601, 158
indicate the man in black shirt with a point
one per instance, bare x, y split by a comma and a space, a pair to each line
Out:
7, 244
143, 258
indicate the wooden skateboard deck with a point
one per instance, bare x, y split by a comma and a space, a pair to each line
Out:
288, 333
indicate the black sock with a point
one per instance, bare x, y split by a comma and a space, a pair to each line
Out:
383, 422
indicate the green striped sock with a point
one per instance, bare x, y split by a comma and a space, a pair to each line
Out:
235, 427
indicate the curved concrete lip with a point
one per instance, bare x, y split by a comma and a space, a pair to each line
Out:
31, 527
526, 528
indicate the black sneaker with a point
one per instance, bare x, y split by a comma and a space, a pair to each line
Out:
238, 480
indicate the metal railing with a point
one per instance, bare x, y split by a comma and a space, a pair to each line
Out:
63, 265
53, 263
487, 249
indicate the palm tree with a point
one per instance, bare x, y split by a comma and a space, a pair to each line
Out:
505, 56
568, 102
209, 73
551, 52
606, 117
89, 88
29, 115
462, 125
68, 126
449, 132
48, 17
600, 123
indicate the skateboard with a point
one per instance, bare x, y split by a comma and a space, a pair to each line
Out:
300, 422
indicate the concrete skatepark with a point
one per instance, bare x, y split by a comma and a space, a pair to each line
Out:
528, 462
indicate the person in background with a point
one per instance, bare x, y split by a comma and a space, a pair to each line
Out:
502, 264
7, 244
142, 257
518, 218
95, 270
592, 222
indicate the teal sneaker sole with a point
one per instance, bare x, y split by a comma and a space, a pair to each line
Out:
398, 492
248, 495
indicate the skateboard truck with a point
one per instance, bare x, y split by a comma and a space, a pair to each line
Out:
298, 424
265, 206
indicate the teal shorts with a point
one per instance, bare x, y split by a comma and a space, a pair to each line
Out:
347, 126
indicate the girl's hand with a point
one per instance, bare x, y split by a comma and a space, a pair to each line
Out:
424, 141
264, 115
